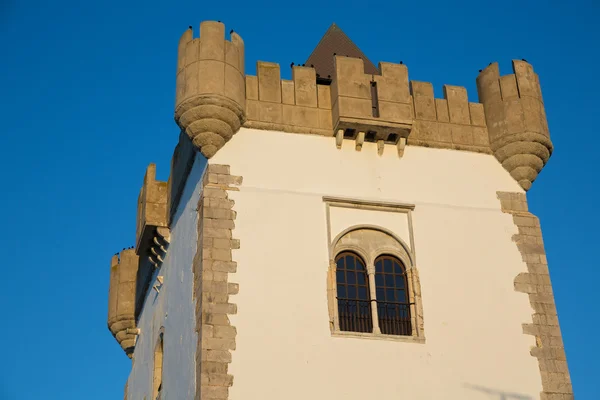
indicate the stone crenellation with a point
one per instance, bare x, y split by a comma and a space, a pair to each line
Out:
215, 98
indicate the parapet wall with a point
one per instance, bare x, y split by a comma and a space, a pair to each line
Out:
215, 97
407, 109
299, 105
452, 122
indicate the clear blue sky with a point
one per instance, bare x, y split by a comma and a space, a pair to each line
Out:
87, 92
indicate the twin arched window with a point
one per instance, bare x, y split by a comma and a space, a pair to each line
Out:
358, 301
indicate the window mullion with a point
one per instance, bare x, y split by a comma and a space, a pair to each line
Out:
373, 293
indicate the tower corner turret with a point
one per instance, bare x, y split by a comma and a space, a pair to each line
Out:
211, 90
516, 120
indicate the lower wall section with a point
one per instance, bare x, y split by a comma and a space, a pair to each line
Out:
171, 309
549, 349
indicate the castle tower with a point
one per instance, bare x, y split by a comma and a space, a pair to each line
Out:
516, 120
342, 234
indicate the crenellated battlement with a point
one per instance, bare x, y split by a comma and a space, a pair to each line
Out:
214, 98
297, 105
450, 122
400, 109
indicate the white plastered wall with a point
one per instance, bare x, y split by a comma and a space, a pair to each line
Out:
474, 349
172, 307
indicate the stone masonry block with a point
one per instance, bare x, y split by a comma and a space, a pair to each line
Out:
217, 379
220, 203
233, 288
225, 332
226, 308
441, 109
207, 331
220, 254
324, 97
217, 319
251, 87
218, 169
216, 355
213, 298
219, 223
305, 86
269, 82
212, 367
213, 192
287, 92
222, 266
218, 344
458, 104
216, 233
214, 392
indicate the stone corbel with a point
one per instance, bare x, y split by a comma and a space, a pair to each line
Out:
160, 245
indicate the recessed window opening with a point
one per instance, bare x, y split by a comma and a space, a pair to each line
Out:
353, 296
393, 301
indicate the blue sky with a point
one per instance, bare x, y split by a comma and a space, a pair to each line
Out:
87, 102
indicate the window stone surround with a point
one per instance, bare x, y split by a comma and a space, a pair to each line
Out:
370, 242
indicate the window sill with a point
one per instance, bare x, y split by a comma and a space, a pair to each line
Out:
379, 336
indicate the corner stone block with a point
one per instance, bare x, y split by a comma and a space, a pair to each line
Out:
269, 82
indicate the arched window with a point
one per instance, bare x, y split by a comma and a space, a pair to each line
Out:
158, 369
393, 300
353, 297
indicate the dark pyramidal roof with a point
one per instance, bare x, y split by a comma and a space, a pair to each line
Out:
336, 41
